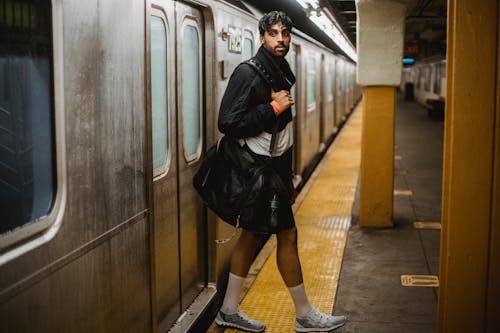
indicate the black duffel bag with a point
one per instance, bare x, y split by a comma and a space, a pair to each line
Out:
242, 188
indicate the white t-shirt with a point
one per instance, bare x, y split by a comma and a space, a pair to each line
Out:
260, 144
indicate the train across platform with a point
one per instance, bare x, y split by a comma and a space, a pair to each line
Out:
382, 279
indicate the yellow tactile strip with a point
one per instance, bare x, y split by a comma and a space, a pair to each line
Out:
323, 220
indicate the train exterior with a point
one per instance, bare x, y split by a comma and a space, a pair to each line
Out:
425, 82
106, 110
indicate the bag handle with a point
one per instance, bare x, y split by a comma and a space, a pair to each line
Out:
269, 80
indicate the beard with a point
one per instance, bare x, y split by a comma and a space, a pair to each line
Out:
279, 50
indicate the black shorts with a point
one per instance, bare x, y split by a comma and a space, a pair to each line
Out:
283, 166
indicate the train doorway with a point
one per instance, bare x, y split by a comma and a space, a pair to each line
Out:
293, 58
190, 115
177, 132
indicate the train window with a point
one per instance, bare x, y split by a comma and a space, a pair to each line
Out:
311, 84
434, 74
191, 97
440, 73
427, 78
329, 85
442, 77
27, 128
247, 51
159, 106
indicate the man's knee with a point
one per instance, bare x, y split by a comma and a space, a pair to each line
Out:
250, 236
287, 237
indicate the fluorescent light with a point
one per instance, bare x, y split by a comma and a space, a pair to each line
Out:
336, 35
305, 3
329, 25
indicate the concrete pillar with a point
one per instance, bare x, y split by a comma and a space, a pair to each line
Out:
469, 291
380, 26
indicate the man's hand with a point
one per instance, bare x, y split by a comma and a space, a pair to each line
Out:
283, 98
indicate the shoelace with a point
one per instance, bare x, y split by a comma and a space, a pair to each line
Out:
320, 317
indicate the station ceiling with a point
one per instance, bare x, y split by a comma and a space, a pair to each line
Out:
425, 29
425, 23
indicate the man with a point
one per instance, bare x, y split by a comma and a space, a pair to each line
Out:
250, 111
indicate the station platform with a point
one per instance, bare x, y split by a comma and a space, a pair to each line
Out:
354, 271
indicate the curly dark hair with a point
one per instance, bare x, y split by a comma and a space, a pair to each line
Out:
272, 18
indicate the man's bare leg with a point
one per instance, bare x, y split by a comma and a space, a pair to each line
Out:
291, 271
307, 318
241, 260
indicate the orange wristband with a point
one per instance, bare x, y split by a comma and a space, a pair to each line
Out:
277, 108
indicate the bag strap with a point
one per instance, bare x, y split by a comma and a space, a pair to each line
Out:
261, 70
269, 80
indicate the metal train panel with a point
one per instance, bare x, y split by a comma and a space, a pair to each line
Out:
103, 290
103, 120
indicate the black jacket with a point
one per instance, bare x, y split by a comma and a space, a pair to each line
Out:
245, 110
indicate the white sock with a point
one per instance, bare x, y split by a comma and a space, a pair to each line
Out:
299, 296
231, 299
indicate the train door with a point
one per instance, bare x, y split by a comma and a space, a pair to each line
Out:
333, 79
176, 80
293, 58
164, 151
340, 93
327, 120
322, 102
329, 124
311, 126
190, 133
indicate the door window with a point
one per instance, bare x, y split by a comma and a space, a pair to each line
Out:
159, 96
191, 97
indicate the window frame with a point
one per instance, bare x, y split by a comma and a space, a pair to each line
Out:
194, 23
163, 171
20, 240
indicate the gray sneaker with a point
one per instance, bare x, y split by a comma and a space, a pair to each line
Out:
239, 320
317, 321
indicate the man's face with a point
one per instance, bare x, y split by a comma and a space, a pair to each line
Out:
276, 40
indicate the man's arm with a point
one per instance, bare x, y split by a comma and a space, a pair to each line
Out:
236, 117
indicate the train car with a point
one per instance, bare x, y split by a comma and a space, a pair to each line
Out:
106, 110
426, 83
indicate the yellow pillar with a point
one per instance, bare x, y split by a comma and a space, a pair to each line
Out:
469, 299
380, 27
377, 161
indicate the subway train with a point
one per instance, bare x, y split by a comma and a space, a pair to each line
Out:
425, 83
106, 110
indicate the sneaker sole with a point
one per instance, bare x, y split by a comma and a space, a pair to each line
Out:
221, 322
315, 329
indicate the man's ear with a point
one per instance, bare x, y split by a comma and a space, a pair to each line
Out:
262, 39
